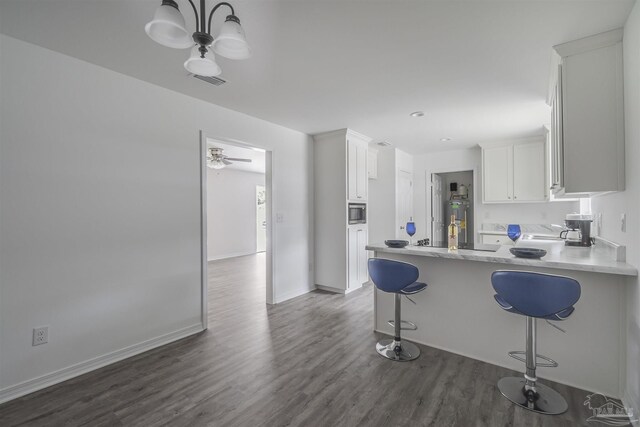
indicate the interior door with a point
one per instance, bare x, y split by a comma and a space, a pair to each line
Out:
437, 215
404, 209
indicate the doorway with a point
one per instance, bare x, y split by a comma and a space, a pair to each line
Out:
451, 196
236, 190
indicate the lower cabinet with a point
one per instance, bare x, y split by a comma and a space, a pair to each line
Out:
357, 262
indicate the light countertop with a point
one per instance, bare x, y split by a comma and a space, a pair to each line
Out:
577, 259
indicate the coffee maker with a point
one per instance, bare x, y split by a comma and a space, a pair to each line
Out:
578, 232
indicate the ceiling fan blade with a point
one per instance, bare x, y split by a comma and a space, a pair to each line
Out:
226, 162
238, 160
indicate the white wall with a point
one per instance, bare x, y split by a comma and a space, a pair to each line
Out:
231, 212
100, 212
382, 206
470, 159
612, 206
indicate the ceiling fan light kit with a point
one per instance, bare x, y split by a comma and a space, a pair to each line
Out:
217, 160
168, 28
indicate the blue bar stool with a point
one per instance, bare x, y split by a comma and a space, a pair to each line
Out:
536, 296
398, 278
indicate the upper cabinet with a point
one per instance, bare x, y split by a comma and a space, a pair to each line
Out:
357, 173
514, 172
372, 163
587, 124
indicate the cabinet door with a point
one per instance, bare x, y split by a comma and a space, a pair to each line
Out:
372, 163
497, 163
592, 118
353, 259
363, 274
529, 172
555, 136
361, 171
352, 166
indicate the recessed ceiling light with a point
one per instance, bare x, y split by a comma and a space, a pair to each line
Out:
445, 139
417, 114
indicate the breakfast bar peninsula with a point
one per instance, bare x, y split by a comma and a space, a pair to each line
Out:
457, 312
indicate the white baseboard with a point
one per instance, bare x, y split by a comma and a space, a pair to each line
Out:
47, 380
336, 290
229, 255
292, 294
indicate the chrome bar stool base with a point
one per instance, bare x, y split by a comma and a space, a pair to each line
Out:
543, 400
400, 351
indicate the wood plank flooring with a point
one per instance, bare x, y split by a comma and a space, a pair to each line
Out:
310, 361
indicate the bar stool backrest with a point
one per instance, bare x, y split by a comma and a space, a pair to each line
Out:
536, 294
392, 276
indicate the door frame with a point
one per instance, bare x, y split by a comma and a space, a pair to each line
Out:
427, 194
269, 270
265, 216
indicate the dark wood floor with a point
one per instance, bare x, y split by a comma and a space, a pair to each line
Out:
310, 361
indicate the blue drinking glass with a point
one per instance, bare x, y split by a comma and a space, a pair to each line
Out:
411, 229
513, 231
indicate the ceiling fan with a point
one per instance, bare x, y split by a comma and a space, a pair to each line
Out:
217, 160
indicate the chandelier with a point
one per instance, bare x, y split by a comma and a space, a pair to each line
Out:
168, 28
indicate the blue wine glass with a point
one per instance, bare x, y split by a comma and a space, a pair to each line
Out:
513, 231
411, 229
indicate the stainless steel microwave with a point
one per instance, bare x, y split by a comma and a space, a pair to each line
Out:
357, 213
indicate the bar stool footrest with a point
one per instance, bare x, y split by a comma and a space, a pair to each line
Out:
550, 363
412, 326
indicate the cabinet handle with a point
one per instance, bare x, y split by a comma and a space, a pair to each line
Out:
508, 197
402, 227
515, 197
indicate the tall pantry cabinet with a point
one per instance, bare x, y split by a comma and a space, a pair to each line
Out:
341, 178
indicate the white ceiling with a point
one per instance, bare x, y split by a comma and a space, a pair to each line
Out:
478, 68
256, 156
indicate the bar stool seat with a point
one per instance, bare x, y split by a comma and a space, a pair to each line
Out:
413, 288
556, 316
398, 278
535, 296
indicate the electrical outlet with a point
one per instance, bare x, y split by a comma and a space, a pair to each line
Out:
40, 335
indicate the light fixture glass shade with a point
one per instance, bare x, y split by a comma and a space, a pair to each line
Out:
205, 67
231, 42
168, 28
215, 164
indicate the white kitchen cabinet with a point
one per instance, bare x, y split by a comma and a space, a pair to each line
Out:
357, 265
529, 170
340, 178
372, 163
497, 165
514, 172
357, 169
587, 129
